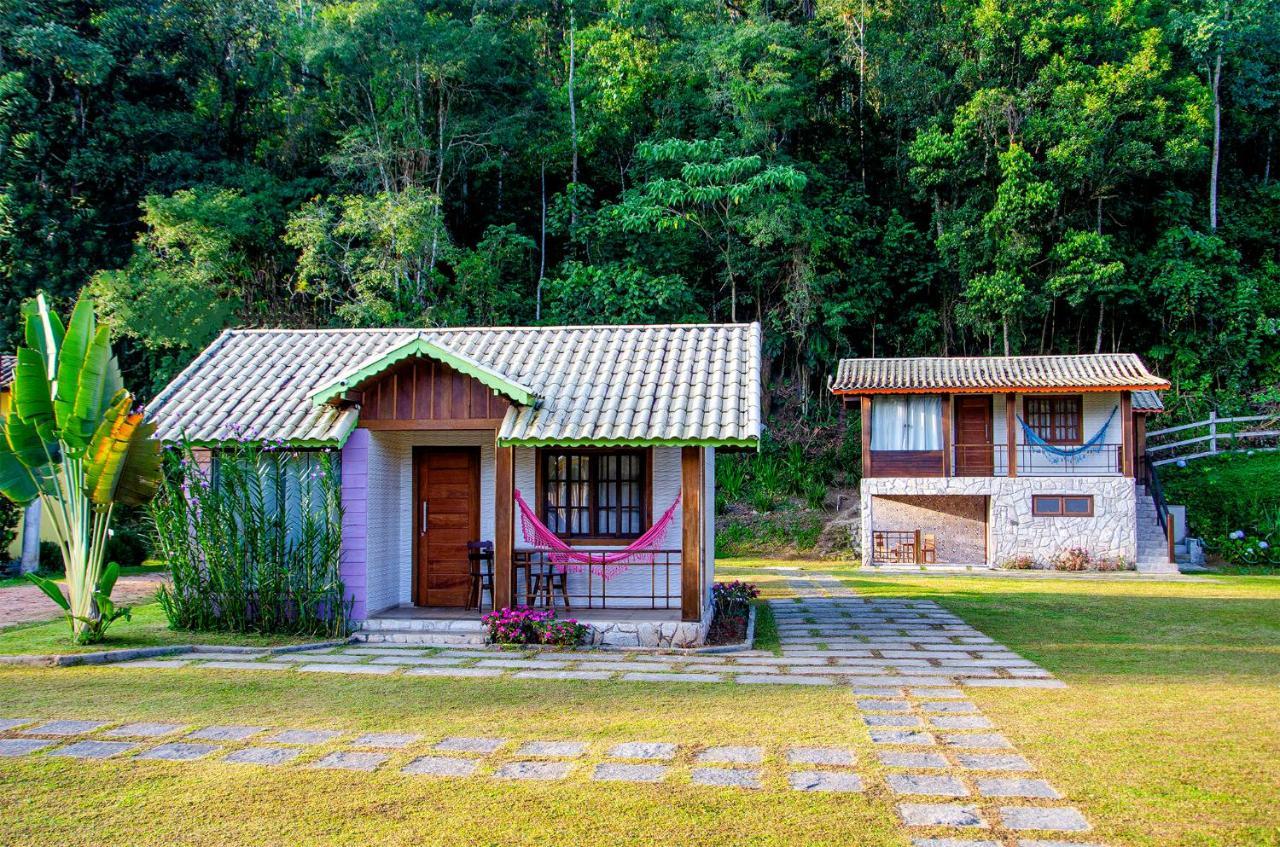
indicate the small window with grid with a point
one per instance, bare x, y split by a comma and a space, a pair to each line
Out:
1058, 420
596, 494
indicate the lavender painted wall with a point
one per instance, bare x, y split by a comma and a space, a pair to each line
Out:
355, 518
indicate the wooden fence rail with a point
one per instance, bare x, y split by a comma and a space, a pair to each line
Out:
1212, 437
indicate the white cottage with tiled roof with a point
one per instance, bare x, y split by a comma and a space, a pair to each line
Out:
980, 461
605, 434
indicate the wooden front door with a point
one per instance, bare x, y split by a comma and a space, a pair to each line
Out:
446, 515
974, 450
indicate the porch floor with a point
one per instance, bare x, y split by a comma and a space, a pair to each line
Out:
455, 613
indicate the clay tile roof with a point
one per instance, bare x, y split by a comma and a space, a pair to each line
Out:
1092, 372
1147, 401
674, 384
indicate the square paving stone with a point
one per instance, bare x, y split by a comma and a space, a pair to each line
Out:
1064, 819
560, 749
951, 842
941, 814
783, 679
726, 777
732, 755
643, 750
993, 762
454, 672
225, 733
832, 781
441, 766
916, 783
884, 705
896, 759
901, 736
542, 771
891, 720
620, 772
820, 756
64, 728
949, 707
142, 730
7, 724
301, 736
11, 747
464, 744
263, 755
389, 740
938, 693
351, 760
961, 722
179, 751
1014, 787
94, 749
564, 675
977, 741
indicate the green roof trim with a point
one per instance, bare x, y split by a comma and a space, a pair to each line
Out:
516, 393
749, 443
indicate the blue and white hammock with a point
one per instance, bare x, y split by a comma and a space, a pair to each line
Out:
1058, 454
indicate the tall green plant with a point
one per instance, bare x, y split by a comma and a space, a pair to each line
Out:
73, 440
255, 544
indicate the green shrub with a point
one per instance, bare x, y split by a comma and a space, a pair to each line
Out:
10, 517
126, 548
254, 544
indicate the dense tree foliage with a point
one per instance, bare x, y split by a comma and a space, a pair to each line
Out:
862, 176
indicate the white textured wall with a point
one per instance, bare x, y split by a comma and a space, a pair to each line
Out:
1095, 407
1012, 530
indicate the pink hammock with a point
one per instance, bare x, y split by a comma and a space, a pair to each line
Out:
606, 565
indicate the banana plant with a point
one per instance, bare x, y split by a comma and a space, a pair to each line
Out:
74, 440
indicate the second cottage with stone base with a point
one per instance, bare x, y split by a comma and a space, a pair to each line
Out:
999, 461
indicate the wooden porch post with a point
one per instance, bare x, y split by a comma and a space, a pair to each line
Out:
946, 435
691, 483
1011, 430
1126, 433
503, 525
867, 470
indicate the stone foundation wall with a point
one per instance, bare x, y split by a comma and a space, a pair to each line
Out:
649, 633
1013, 531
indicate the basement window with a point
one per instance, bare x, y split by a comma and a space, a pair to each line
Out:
1062, 505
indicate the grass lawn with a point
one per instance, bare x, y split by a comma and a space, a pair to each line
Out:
1167, 735
148, 628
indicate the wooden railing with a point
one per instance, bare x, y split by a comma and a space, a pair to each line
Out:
1107, 460
1216, 431
1163, 516
651, 581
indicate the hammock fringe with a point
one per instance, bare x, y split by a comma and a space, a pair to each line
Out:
605, 565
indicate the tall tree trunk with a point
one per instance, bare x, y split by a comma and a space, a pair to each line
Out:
1004, 331
542, 245
1217, 142
440, 119
1097, 341
31, 538
573, 127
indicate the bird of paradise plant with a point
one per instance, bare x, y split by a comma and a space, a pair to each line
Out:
74, 440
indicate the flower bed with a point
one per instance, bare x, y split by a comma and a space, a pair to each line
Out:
1070, 559
533, 626
731, 610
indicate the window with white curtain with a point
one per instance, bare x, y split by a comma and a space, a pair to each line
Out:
906, 422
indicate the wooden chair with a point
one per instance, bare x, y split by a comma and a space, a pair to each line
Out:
928, 549
480, 558
545, 582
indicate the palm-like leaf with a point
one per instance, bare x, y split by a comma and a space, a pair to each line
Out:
76, 342
15, 480
123, 463
44, 329
31, 399
94, 381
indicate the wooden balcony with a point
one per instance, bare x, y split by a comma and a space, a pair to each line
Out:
651, 580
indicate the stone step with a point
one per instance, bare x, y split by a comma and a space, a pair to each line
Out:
437, 639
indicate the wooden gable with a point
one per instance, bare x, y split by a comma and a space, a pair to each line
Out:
423, 393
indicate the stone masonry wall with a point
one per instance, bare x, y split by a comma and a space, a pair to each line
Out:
1013, 531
